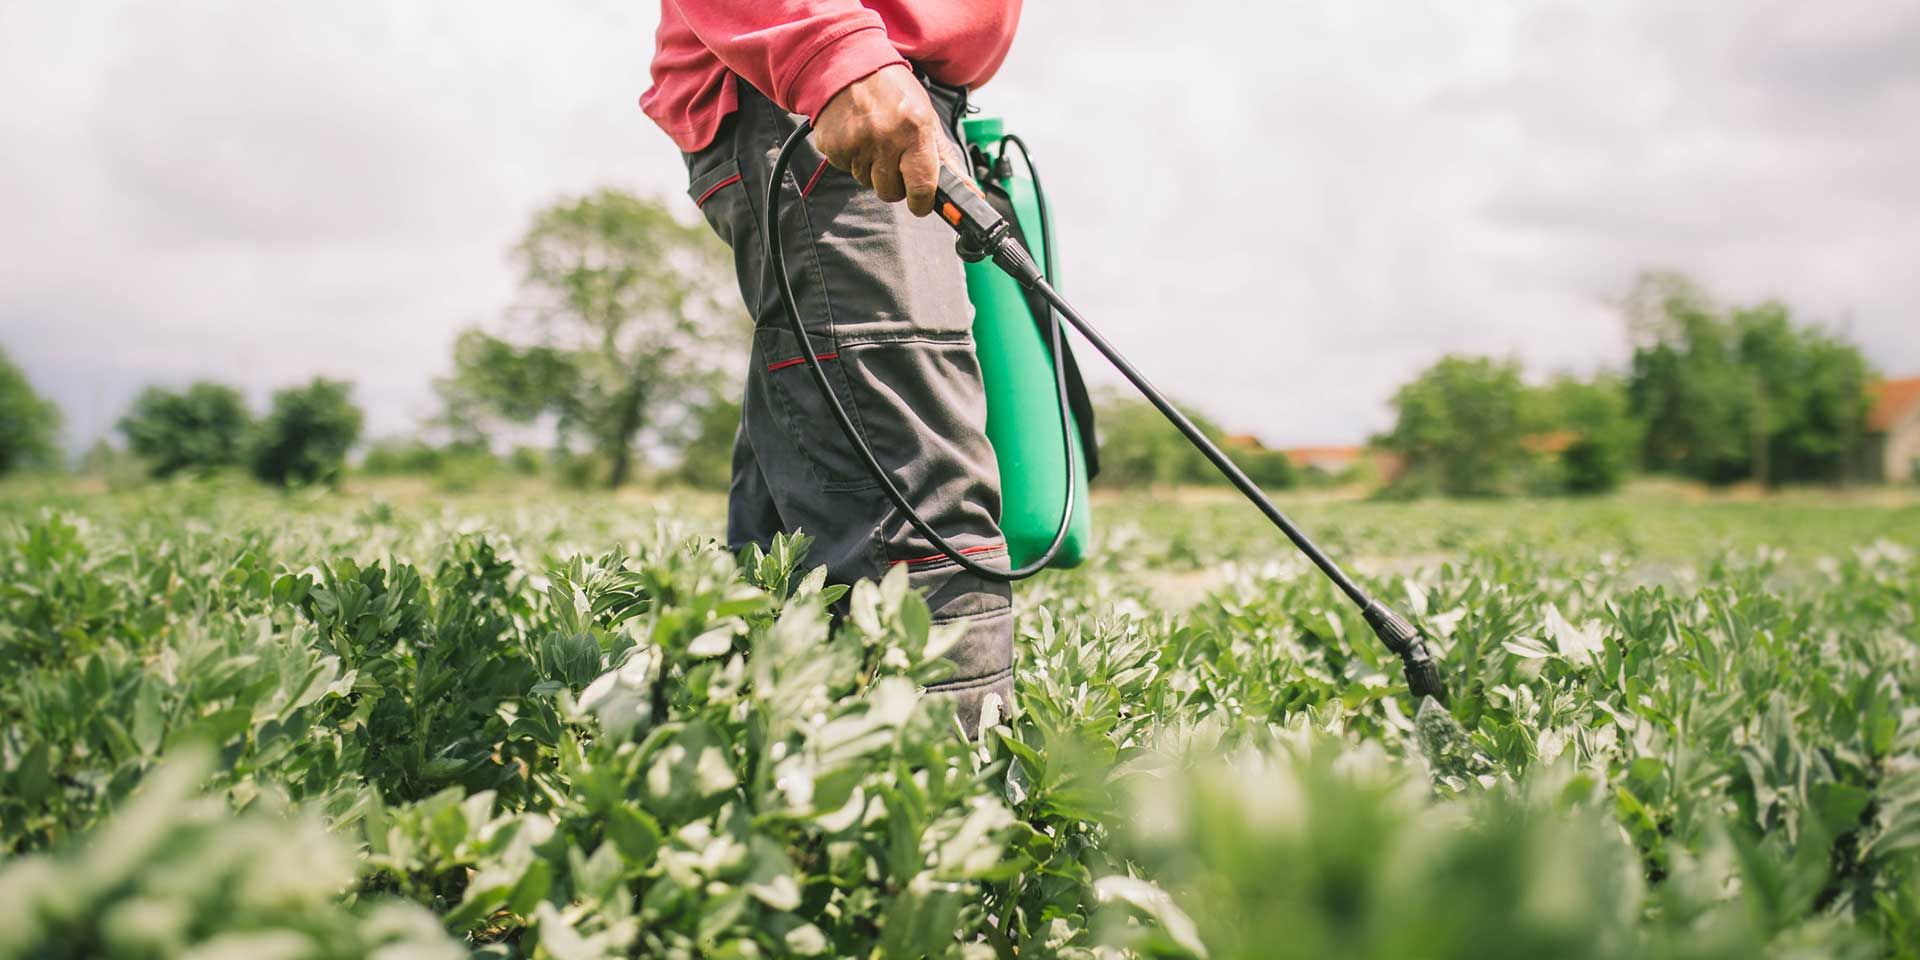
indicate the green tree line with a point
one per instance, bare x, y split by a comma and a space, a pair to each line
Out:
206, 428
1473, 426
1741, 393
624, 346
1714, 393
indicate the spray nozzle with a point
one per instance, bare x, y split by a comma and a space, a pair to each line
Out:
1423, 675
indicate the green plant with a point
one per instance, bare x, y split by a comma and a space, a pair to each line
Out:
577, 727
177, 874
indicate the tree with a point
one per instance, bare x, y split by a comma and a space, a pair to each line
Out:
29, 423
618, 334
307, 433
1809, 392
1460, 427
1138, 447
201, 428
1604, 434
1268, 469
395, 456
1741, 393
706, 456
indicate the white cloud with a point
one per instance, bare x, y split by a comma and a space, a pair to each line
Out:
1281, 210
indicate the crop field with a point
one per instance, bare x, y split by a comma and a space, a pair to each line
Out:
240, 724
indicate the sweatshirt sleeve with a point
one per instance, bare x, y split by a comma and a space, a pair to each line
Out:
799, 53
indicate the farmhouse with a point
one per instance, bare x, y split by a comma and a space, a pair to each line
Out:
1893, 432
1339, 461
1328, 460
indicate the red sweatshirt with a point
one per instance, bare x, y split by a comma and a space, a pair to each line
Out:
802, 52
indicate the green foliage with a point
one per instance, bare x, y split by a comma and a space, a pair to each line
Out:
1460, 427
1741, 393
706, 456
177, 874
29, 423
453, 467
1470, 426
200, 429
652, 747
526, 461
1270, 469
1604, 436
1139, 448
306, 435
1305, 849
402, 456
116, 467
624, 329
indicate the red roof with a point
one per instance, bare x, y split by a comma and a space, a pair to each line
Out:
1553, 441
1303, 456
1892, 401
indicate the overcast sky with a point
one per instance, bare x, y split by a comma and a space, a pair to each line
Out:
1279, 210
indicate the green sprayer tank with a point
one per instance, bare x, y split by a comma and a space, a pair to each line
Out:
1024, 416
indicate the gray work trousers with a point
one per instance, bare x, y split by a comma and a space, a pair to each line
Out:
884, 301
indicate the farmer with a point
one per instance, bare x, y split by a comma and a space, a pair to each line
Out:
878, 286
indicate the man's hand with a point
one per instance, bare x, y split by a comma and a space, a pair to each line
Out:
883, 130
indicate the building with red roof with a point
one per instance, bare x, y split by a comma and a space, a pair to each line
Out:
1341, 461
1893, 430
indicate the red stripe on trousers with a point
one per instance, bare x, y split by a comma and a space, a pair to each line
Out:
965, 552
796, 361
730, 181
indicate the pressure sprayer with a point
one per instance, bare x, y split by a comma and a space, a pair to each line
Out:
1024, 416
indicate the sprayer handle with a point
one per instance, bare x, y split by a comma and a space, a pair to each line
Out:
966, 210
983, 231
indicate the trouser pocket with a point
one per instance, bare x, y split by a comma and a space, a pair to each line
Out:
790, 396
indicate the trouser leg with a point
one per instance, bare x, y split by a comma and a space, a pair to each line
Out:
752, 516
884, 300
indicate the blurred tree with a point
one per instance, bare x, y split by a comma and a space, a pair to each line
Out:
29, 423
1139, 448
306, 434
1685, 382
706, 455
1604, 437
201, 428
527, 461
394, 456
1268, 469
1460, 426
1810, 396
619, 335
1740, 394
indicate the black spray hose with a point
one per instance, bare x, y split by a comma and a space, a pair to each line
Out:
984, 233
776, 255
